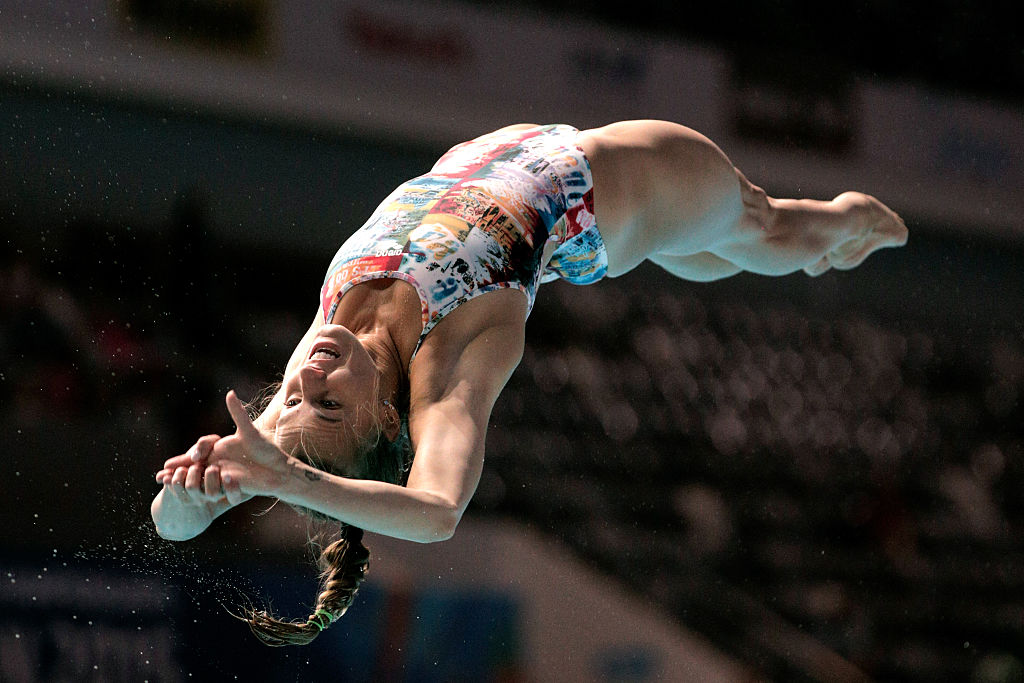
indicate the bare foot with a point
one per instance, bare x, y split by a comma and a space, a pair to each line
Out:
873, 226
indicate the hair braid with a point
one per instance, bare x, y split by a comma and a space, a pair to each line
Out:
343, 565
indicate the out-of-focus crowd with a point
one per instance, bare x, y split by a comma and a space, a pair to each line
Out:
859, 479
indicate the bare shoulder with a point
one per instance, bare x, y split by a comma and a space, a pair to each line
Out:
472, 352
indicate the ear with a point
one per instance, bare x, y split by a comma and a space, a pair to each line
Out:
391, 421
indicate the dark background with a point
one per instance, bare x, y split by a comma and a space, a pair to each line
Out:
840, 458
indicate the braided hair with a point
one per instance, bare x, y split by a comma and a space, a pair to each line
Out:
344, 562
343, 566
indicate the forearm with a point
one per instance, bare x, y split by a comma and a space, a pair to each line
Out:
406, 513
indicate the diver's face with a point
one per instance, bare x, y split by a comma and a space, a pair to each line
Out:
330, 400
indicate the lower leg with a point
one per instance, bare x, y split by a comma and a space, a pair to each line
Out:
666, 193
781, 236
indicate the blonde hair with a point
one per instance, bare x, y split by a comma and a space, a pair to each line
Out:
343, 567
343, 563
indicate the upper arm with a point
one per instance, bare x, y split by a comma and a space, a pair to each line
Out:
452, 394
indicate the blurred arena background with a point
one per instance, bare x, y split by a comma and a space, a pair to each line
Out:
756, 479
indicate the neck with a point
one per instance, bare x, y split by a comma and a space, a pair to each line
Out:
385, 314
372, 313
382, 348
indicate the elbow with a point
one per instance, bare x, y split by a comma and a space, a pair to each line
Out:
442, 526
447, 529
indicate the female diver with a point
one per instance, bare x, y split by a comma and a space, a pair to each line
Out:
380, 420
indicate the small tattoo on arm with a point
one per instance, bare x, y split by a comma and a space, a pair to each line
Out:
312, 476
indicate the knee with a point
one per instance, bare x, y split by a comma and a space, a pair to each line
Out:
758, 210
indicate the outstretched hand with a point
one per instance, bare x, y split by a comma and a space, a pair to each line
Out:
238, 466
248, 463
193, 494
191, 479
216, 474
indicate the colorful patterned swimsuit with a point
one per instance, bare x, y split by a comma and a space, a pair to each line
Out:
479, 221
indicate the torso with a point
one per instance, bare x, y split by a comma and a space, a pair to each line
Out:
477, 224
469, 235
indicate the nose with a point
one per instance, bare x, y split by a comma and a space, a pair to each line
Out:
311, 379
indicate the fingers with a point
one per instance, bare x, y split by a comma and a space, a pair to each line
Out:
853, 253
177, 461
872, 226
892, 228
194, 479
182, 462
900, 235
847, 250
239, 416
889, 230
178, 478
174, 484
200, 452
193, 484
212, 482
232, 490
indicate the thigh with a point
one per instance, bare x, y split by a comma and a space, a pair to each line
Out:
660, 188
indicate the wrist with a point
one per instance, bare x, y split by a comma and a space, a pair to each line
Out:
297, 481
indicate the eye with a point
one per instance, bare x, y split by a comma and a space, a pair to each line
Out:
330, 405
292, 402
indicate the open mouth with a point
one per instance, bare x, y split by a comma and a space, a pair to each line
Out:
324, 351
